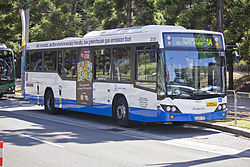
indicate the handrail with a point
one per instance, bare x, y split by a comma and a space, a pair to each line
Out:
235, 102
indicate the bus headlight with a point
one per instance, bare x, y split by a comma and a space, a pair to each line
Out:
170, 108
221, 107
173, 109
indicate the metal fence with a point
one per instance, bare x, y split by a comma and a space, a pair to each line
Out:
239, 103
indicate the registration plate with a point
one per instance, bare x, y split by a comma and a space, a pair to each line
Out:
199, 118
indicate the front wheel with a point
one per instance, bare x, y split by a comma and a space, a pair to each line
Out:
121, 112
49, 103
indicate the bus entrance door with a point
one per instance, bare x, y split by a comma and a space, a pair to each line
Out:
84, 84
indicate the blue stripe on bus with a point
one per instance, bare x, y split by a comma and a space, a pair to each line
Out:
136, 114
97, 108
33, 99
165, 116
143, 115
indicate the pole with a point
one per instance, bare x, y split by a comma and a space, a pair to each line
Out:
235, 108
1, 153
129, 13
25, 38
235, 105
22, 13
27, 22
220, 14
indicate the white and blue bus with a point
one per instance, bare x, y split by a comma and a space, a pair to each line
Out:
149, 74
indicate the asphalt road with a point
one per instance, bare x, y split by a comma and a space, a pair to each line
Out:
34, 138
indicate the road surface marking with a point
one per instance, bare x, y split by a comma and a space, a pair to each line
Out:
145, 136
43, 141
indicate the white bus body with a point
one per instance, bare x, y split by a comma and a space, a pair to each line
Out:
99, 91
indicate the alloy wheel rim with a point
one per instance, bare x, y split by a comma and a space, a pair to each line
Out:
121, 112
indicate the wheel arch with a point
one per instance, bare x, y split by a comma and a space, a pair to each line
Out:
47, 90
114, 101
52, 109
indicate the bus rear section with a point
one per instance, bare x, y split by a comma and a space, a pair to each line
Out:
7, 71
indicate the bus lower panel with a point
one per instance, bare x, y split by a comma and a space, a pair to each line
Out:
142, 115
135, 114
67, 104
34, 99
166, 116
97, 108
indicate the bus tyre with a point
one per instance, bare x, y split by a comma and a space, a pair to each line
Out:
121, 112
49, 103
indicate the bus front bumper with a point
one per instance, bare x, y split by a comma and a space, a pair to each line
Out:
171, 117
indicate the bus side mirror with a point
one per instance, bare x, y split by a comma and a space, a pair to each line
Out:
237, 56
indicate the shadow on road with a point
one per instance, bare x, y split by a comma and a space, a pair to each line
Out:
83, 128
243, 154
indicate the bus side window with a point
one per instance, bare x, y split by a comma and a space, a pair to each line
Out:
27, 62
102, 64
146, 67
36, 61
122, 64
60, 64
70, 64
49, 60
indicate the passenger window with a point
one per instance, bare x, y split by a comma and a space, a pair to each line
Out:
102, 64
146, 67
60, 64
36, 61
27, 62
122, 64
50, 60
70, 64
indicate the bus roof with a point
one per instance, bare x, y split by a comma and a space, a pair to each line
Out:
134, 30
142, 34
2, 46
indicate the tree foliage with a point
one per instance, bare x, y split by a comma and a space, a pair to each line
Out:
57, 19
10, 26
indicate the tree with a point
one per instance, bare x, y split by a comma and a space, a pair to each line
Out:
236, 32
50, 21
10, 30
171, 9
144, 12
57, 19
206, 10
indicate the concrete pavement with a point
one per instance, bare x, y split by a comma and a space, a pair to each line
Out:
224, 128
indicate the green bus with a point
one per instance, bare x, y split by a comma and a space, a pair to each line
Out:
7, 71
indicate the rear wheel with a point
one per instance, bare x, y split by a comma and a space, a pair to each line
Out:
49, 103
121, 112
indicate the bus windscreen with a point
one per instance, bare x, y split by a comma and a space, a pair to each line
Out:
6, 65
193, 40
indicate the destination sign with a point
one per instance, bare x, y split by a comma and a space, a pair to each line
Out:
190, 40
